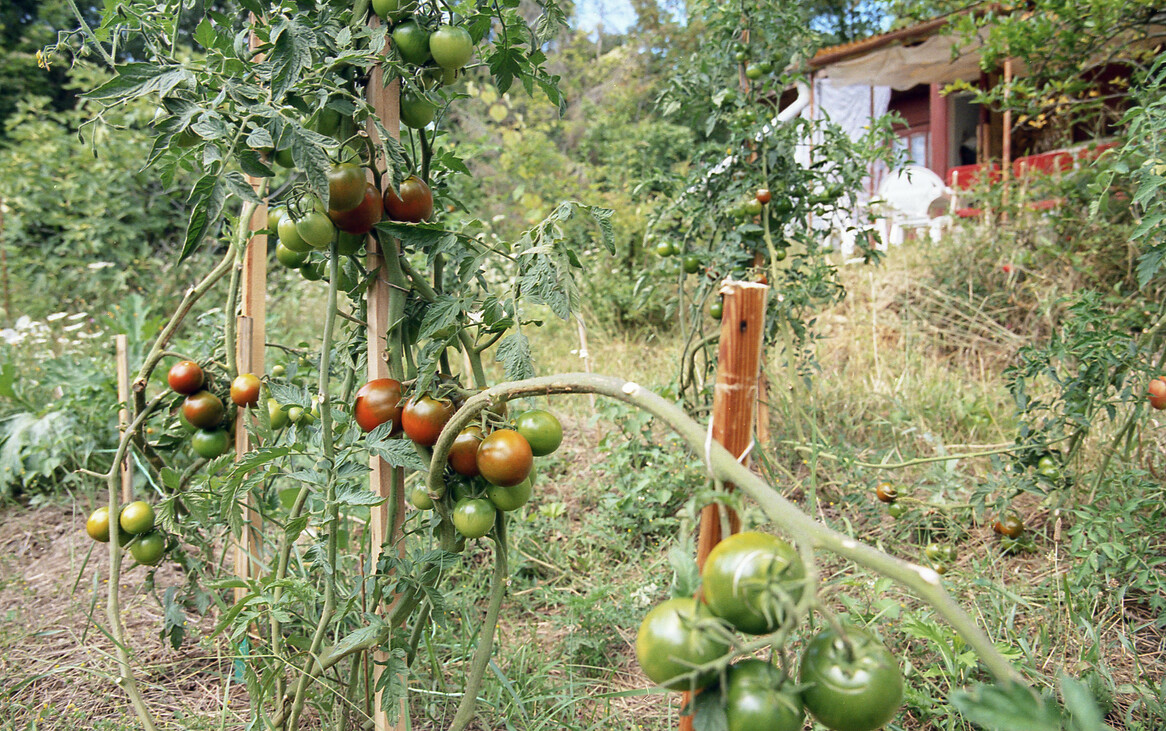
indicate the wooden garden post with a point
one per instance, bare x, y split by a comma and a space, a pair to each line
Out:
734, 399
385, 481
123, 413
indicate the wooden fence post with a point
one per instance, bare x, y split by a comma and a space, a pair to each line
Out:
123, 413
385, 481
734, 399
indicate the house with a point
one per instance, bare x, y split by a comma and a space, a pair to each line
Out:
906, 71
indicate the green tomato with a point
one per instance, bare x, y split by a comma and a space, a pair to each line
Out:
412, 42
451, 47
852, 687
284, 159
209, 444
753, 72
137, 518
474, 517
765, 66
752, 207
276, 414
510, 498
542, 429
673, 637
752, 580
665, 249
717, 310
419, 496
691, 264
273, 215
148, 549
316, 229
349, 244
289, 235
416, 110
759, 697
288, 258
313, 271
896, 510
393, 9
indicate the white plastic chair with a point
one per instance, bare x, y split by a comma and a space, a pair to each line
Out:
904, 201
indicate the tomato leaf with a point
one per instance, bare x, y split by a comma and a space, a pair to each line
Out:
395, 451
353, 495
440, 315
708, 713
514, 355
206, 201
291, 53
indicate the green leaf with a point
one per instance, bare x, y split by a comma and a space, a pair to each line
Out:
139, 79
440, 315
353, 495
291, 54
396, 451
514, 355
289, 395
206, 200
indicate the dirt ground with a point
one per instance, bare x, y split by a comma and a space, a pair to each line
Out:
56, 668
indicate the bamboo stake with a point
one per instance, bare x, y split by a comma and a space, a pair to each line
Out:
384, 480
123, 413
734, 400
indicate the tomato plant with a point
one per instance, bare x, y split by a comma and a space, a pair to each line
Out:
752, 580
673, 637
854, 683
505, 458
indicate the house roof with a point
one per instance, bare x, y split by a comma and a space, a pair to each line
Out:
843, 51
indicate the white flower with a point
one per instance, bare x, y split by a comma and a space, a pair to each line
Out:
100, 265
24, 322
77, 316
11, 337
56, 316
73, 328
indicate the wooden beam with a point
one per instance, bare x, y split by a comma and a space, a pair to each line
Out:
385, 481
734, 400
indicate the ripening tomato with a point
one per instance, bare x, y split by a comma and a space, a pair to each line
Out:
1157, 389
203, 409
377, 402
463, 454
752, 580
98, 525
763, 195
346, 184
137, 517
413, 204
423, 418
185, 377
886, 492
245, 389
504, 458
360, 220
1009, 525
673, 637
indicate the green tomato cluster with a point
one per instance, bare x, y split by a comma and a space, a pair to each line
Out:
753, 582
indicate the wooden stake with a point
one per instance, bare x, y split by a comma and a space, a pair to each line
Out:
123, 414
734, 399
250, 542
386, 481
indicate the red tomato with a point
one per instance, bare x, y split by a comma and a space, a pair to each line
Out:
378, 401
185, 377
1157, 389
463, 455
413, 204
245, 389
424, 417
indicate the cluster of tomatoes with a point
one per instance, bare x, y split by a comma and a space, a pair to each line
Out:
438, 51
354, 207
752, 583
490, 471
135, 526
203, 412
